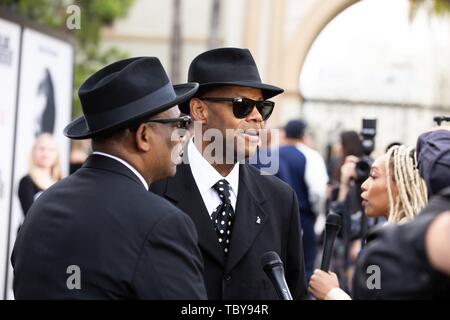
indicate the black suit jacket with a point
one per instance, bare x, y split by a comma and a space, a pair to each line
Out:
263, 199
127, 242
399, 252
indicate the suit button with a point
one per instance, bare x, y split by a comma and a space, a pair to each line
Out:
227, 277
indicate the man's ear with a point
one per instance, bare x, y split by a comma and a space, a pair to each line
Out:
199, 110
143, 137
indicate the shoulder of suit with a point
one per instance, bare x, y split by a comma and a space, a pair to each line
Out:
159, 187
159, 201
154, 208
168, 210
140, 199
445, 193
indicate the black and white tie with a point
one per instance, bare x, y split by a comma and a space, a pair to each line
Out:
223, 215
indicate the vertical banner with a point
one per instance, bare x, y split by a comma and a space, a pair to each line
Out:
9, 70
45, 106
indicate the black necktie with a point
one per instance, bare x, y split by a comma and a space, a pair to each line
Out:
223, 215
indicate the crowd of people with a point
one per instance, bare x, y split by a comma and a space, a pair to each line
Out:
163, 209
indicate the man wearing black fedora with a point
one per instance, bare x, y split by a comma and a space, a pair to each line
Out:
239, 213
99, 233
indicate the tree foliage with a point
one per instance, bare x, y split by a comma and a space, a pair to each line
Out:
95, 14
433, 7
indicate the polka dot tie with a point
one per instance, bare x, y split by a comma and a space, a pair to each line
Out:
222, 216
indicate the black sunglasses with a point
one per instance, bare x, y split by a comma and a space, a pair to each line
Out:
242, 107
182, 122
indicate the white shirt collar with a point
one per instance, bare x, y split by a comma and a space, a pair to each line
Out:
126, 164
204, 173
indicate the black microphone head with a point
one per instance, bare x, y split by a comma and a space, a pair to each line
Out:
270, 260
333, 221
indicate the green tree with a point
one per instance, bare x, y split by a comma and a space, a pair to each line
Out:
95, 14
433, 7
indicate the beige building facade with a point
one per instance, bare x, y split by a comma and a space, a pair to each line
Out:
280, 34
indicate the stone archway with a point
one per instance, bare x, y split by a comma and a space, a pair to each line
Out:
295, 51
281, 46
306, 33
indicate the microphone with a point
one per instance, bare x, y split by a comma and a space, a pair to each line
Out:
332, 227
273, 266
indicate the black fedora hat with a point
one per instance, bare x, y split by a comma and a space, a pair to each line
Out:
227, 66
124, 92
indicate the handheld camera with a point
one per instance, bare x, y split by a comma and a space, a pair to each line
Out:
368, 133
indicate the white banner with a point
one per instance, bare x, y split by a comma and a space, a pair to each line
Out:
45, 100
9, 70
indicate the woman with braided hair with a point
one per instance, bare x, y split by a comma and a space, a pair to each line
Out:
394, 190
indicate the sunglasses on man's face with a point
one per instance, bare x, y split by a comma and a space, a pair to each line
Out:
242, 107
182, 122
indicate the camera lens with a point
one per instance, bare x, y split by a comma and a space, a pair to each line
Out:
363, 169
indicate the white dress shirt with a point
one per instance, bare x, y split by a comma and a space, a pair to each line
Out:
206, 177
126, 164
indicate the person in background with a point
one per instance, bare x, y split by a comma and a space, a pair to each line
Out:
79, 153
44, 170
303, 168
414, 258
348, 145
394, 190
344, 198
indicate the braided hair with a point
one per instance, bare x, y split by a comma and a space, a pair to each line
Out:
401, 169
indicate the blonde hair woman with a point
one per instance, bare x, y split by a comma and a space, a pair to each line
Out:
394, 190
44, 170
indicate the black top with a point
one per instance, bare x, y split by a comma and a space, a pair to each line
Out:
125, 242
400, 253
28, 192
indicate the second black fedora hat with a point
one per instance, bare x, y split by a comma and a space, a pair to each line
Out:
124, 92
227, 66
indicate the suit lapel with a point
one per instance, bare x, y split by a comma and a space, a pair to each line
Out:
250, 217
183, 190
